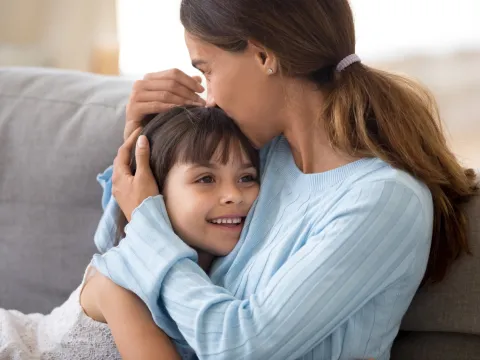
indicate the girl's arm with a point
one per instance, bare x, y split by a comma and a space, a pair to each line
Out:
134, 331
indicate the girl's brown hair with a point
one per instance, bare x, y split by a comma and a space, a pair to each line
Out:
188, 135
367, 113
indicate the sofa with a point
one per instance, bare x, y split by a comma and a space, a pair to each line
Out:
59, 129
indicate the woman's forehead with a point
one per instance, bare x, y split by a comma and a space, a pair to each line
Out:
200, 51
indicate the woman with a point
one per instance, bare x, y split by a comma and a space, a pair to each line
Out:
360, 200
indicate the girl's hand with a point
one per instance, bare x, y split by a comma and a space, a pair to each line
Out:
159, 92
130, 190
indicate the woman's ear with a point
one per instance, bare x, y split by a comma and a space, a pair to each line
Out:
266, 59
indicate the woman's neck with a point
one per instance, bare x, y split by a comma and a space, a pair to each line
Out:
305, 132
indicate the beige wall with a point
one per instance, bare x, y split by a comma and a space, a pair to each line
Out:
21, 21
60, 33
455, 81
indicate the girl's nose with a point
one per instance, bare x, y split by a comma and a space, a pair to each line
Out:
231, 195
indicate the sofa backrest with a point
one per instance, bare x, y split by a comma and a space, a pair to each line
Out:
452, 305
58, 129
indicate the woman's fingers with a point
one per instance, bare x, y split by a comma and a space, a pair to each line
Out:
165, 86
179, 76
136, 111
130, 190
169, 98
158, 93
153, 107
142, 156
197, 79
121, 164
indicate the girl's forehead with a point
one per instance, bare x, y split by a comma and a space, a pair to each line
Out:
233, 154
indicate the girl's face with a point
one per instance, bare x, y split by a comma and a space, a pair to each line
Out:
240, 85
207, 203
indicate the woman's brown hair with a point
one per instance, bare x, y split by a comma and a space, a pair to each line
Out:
367, 112
188, 135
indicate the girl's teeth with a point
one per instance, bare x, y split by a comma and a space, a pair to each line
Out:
227, 221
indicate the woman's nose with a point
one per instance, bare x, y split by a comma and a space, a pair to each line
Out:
210, 98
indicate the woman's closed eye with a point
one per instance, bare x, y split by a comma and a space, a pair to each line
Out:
205, 73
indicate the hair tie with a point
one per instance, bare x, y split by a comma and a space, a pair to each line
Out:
347, 61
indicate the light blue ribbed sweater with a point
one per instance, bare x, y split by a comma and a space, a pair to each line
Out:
325, 268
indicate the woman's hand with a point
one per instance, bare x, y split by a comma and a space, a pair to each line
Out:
130, 190
159, 92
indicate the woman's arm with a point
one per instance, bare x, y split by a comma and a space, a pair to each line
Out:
133, 329
338, 271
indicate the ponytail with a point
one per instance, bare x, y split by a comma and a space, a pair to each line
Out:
372, 113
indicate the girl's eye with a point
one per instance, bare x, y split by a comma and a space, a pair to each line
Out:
248, 178
205, 180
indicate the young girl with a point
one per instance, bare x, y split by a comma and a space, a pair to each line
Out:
207, 172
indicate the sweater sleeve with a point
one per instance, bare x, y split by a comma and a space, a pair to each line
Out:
104, 237
104, 240
369, 242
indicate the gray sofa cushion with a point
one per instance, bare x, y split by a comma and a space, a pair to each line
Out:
443, 321
436, 346
454, 304
58, 129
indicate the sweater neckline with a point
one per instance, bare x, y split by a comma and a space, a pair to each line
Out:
322, 180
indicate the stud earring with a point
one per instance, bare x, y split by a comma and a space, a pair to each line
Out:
270, 71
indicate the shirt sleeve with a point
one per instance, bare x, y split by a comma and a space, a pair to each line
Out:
104, 237
370, 242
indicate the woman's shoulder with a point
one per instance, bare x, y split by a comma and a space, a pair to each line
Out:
381, 175
375, 192
383, 194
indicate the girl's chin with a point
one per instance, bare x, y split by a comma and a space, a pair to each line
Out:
219, 251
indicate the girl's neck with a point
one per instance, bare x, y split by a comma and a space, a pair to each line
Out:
205, 260
305, 132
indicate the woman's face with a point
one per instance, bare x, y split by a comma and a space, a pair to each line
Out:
207, 203
239, 84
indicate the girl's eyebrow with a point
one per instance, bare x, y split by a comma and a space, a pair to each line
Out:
211, 165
